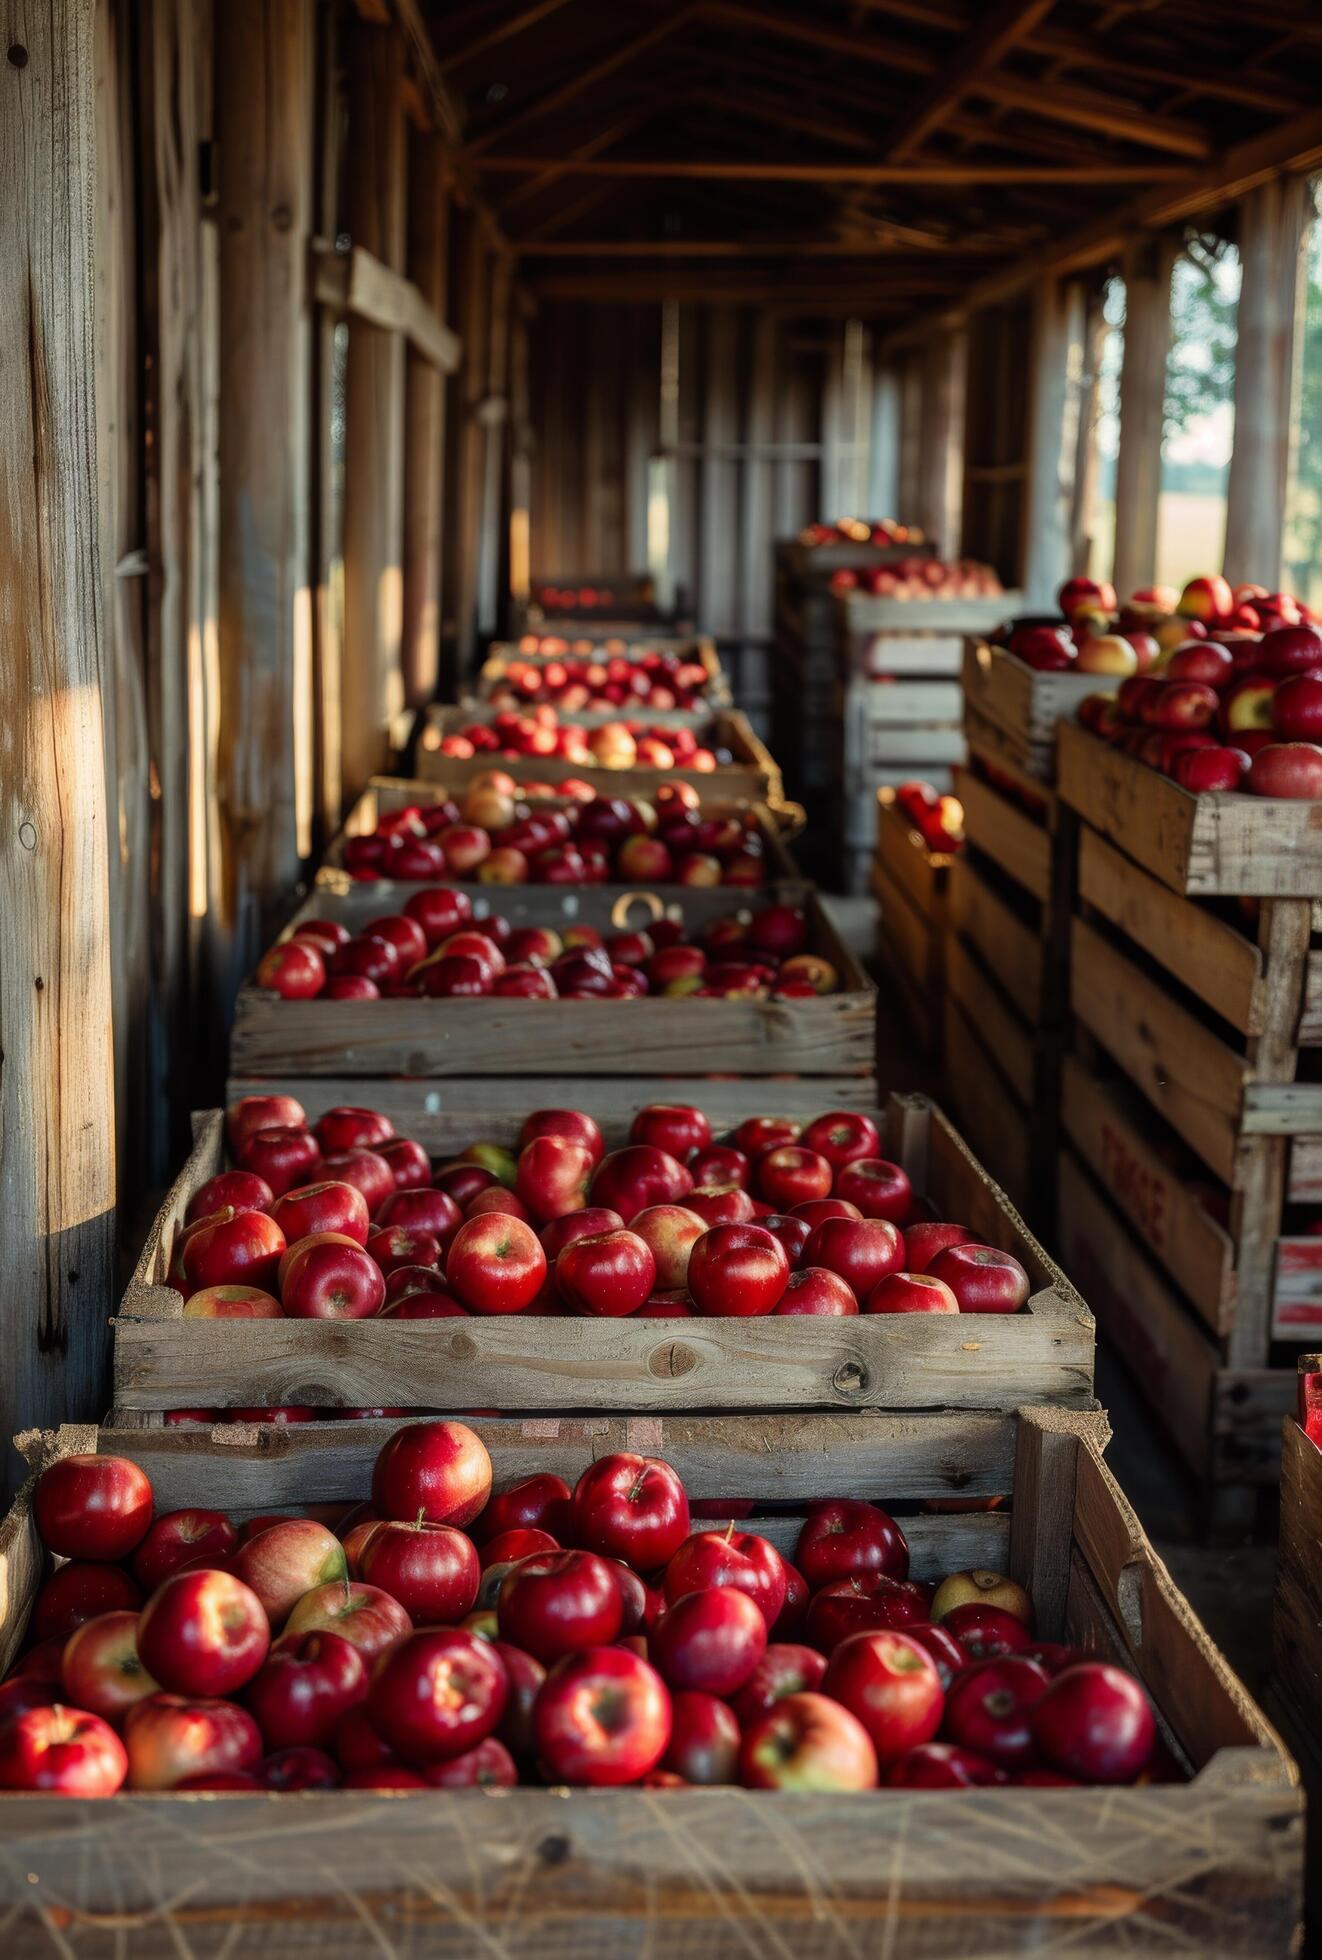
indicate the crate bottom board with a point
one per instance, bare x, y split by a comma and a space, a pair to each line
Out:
1224, 1423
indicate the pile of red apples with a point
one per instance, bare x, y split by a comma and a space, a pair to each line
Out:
938, 818
861, 530
435, 949
488, 832
442, 1637
657, 680
921, 578
1219, 688
344, 1220
540, 734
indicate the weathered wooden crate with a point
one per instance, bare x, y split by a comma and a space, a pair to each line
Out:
751, 773
997, 1124
910, 884
901, 1361
828, 1035
911, 636
1017, 708
1211, 1865
387, 794
1213, 845
716, 693
1297, 1612
1008, 911
817, 561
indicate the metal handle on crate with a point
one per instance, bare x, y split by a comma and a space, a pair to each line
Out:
791, 819
620, 910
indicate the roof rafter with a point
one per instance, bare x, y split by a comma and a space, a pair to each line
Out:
980, 51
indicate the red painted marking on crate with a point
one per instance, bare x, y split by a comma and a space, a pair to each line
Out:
1144, 1193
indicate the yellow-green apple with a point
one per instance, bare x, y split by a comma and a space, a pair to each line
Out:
1105, 653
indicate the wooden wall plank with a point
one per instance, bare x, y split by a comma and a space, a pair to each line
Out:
264, 55
1147, 271
1272, 223
424, 424
372, 681
57, 1119
326, 510
1056, 361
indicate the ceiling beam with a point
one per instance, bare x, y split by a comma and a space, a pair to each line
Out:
838, 172
857, 247
1084, 109
878, 50
442, 103
620, 56
1244, 87
605, 139
1001, 27
503, 30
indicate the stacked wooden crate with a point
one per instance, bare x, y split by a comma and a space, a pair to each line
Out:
699, 649
898, 703
1008, 913
1193, 1102
1297, 1607
910, 883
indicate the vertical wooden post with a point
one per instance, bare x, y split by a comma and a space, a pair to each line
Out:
718, 476
1055, 373
494, 415
1271, 231
522, 448
884, 447
372, 690
1148, 264
940, 462
911, 437
466, 519
1087, 455
57, 1118
326, 500
424, 424
264, 85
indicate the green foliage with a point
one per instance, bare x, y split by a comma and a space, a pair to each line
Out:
1304, 508
1200, 368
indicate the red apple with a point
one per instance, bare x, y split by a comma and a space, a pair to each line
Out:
229, 1191
725, 1204
676, 1128
101, 1667
496, 1264
784, 1669
1287, 769
704, 1739
807, 1742
990, 1709
435, 1470
305, 1689
203, 1633
251, 1113
865, 1603
540, 1502
80, 1591
553, 1176
396, 1249
489, 1766
741, 1559
92, 1507
1290, 650
891, 1684
911, 1293
942, 1766
585, 1224
557, 1603
846, 1536
632, 1508
814, 1290
64, 1752
879, 1189
985, 1631
737, 1270
286, 1561
181, 1538
711, 1641
431, 1569
367, 1170
241, 1249
437, 1694
366, 1617
925, 1239
326, 1207
792, 1175
1094, 1722
982, 1278
669, 1232
295, 969
330, 1277
637, 1177
570, 1123
433, 1211
602, 1718
842, 1137
410, 1166
984, 1588
862, 1252
349, 1127
720, 1164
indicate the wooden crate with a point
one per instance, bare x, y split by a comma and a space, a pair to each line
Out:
751, 772
829, 1035
910, 883
163, 1361
1214, 845
716, 693
997, 1124
1018, 709
1211, 1865
911, 636
386, 794
1297, 1611
816, 562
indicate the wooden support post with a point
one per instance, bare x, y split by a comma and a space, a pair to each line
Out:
326, 504
522, 448
1148, 264
264, 85
1056, 369
1087, 455
57, 1117
884, 452
372, 689
940, 461
424, 425
1273, 219
494, 411
718, 478
465, 522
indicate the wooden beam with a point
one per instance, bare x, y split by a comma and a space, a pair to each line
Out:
1086, 109
1147, 271
1056, 362
503, 30
881, 244
1244, 86
371, 684
424, 423
465, 522
747, 170
980, 51
875, 50
409, 19
626, 52
264, 88
357, 283
604, 139
57, 1117
327, 583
